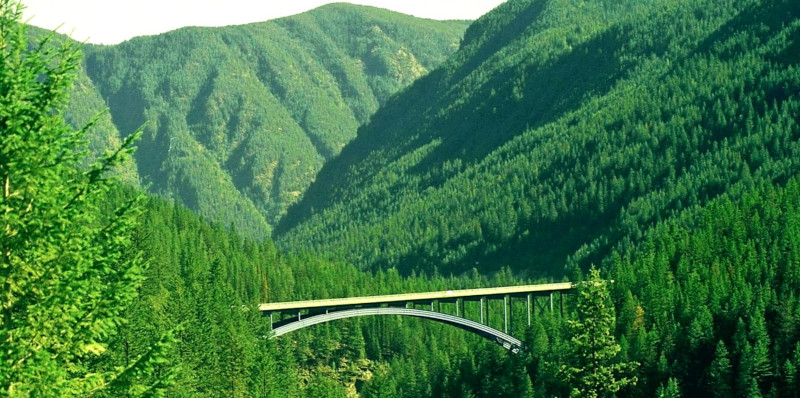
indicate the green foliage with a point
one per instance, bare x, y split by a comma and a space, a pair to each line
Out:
67, 271
594, 373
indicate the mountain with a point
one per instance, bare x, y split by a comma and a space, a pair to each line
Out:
680, 171
561, 129
238, 120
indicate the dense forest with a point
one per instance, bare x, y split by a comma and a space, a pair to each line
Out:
559, 129
656, 141
238, 120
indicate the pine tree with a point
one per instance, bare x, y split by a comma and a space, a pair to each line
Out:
761, 366
719, 373
594, 373
66, 271
380, 385
671, 390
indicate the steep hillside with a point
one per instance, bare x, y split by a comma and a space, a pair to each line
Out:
238, 120
559, 129
86, 104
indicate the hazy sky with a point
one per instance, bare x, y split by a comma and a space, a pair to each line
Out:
113, 21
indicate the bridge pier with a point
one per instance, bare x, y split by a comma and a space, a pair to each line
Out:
528, 308
488, 309
482, 315
505, 313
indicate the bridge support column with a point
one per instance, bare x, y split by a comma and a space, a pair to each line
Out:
528, 307
505, 313
457, 311
482, 315
551, 302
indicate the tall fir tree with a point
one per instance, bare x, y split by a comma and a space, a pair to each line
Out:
66, 271
719, 373
594, 372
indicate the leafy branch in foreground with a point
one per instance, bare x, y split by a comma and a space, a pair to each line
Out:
66, 271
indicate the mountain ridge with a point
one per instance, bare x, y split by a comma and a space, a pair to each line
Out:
238, 119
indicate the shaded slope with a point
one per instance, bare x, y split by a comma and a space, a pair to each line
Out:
240, 119
558, 129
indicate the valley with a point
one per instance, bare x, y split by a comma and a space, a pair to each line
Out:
642, 154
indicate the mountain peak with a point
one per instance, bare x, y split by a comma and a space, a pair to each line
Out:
238, 119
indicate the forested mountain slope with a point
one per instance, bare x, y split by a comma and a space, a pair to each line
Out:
707, 299
205, 282
559, 129
238, 120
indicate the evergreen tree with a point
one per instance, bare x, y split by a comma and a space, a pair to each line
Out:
594, 373
790, 378
793, 372
66, 271
380, 385
719, 373
761, 367
671, 390
324, 387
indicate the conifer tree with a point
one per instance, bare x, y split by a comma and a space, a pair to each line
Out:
670, 390
719, 372
66, 271
380, 385
594, 373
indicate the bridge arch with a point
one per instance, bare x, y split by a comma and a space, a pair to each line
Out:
505, 340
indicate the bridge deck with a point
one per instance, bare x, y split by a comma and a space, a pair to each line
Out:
416, 297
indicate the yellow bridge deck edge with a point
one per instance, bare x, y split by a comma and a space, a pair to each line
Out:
410, 297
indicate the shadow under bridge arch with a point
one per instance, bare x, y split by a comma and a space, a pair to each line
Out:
507, 341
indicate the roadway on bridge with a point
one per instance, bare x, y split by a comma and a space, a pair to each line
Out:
540, 289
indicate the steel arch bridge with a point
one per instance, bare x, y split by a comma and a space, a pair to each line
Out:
509, 342
302, 314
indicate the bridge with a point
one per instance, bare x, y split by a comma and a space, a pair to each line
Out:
289, 316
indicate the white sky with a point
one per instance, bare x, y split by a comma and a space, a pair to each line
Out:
113, 21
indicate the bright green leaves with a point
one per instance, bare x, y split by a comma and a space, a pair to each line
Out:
66, 272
